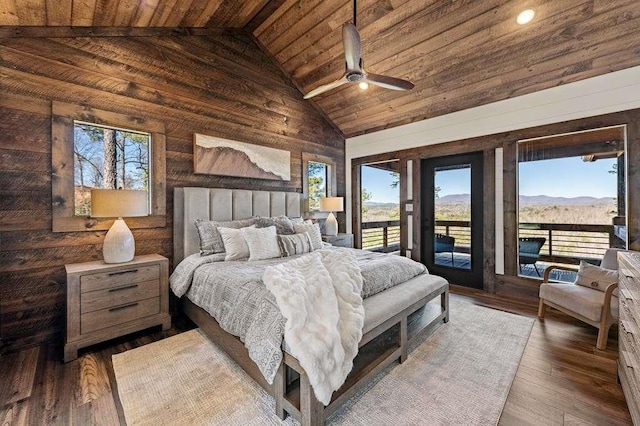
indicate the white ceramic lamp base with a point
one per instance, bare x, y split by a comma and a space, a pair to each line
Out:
331, 226
119, 245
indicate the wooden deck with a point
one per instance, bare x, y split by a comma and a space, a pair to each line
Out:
562, 379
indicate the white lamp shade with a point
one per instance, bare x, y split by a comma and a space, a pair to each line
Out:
119, 203
331, 204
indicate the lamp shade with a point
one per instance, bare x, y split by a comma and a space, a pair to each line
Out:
331, 204
119, 203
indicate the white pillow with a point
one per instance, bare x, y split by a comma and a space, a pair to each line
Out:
596, 277
314, 233
262, 242
234, 244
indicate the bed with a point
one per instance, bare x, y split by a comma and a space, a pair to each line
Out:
387, 310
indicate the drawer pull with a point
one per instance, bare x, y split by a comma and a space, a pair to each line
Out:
126, 287
130, 271
118, 308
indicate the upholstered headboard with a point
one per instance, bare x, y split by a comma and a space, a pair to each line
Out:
220, 204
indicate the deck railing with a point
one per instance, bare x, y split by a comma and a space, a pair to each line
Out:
570, 243
565, 243
381, 235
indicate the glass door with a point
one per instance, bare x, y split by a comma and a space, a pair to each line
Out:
452, 218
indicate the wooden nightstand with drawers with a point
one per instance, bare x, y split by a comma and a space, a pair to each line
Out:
105, 301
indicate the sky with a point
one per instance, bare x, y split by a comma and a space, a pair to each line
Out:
568, 177
564, 177
378, 182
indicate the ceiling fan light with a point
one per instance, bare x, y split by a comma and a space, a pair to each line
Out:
525, 16
363, 85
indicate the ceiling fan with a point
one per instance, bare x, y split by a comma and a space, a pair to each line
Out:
355, 72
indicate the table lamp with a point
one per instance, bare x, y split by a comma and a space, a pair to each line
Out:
119, 245
331, 204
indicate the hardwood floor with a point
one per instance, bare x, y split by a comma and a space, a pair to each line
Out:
562, 379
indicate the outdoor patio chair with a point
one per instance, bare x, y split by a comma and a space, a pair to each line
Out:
529, 251
594, 305
445, 244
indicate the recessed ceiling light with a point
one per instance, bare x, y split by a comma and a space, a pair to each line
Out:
525, 16
363, 85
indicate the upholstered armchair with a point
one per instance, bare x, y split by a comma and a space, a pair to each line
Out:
591, 299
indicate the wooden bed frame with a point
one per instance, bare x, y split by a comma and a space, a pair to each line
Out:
291, 388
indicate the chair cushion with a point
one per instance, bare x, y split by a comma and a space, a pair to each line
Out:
581, 300
610, 258
595, 277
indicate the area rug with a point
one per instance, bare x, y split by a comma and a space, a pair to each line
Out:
460, 375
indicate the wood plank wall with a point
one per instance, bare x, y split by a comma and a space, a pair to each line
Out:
223, 86
509, 284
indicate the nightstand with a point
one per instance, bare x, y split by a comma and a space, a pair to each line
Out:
110, 300
340, 240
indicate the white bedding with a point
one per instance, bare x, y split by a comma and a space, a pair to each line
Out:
319, 297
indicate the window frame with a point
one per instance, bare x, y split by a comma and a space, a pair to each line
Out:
63, 118
331, 184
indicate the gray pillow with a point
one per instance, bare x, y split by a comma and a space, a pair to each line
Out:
596, 277
295, 244
283, 224
210, 239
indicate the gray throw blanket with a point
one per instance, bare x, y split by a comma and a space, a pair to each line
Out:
233, 293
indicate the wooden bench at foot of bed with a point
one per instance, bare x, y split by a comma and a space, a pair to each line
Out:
394, 318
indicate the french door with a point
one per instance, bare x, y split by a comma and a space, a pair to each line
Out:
451, 200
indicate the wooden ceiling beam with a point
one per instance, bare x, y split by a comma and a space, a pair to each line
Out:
65, 32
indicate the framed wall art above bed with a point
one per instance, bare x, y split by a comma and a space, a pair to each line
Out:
218, 156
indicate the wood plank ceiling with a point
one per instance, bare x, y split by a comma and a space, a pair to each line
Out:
459, 53
134, 13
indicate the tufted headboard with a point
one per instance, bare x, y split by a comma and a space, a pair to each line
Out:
220, 204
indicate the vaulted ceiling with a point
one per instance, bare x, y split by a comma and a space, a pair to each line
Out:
459, 53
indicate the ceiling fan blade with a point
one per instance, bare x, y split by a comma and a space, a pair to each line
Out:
352, 46
326, 87
389, 82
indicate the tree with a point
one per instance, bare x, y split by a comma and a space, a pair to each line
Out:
396, 179
110, 171
365, 196
317, 181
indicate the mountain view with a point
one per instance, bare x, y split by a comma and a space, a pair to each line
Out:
538, 208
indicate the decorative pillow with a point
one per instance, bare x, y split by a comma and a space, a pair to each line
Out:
283, 224
295, 244
234, 243
314, 233
596, 277
296, 220
262, 242
210, 239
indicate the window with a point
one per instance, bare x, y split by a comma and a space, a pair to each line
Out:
571, 199
318, 180
317, 183
108, 158
93, 148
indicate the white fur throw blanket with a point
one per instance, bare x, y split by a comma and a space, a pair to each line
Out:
319, 296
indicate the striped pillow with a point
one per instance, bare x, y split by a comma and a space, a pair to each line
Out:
295, 244
314, 233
